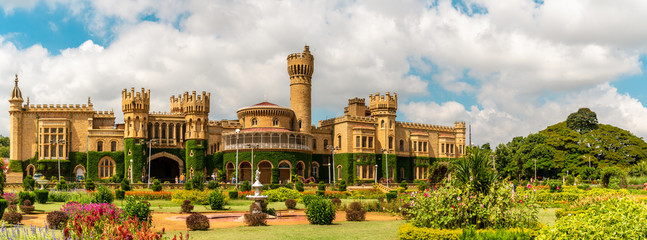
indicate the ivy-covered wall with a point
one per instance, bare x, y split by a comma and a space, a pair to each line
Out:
195, 155
323, 170
118, 157
135, 150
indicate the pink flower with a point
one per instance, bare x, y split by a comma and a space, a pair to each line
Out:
529, 186
557, 187
426, 194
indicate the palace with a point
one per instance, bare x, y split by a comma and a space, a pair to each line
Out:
363, 144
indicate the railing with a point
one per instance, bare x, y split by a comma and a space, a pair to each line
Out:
242, 146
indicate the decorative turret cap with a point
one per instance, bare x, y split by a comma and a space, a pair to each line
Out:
16, 94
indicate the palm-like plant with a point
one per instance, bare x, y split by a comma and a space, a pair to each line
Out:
474, 171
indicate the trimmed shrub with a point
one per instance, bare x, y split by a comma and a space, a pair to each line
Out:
186, 207
583, 186
120, 194
342, 186
27, 207
197, 197
138, 209
157, 186
290, 203
197, 221
125, 185
404, 185
41, 196
321, 193
213, 185
274, 186
11, 216
321, 186
28, 183
188, 185
256, 216
355, 212
245, 186
22, 196
3, 205
216, 200
281, 194
299, 186
233, 194
309, 198
103, 195
62, 186
336, 201
422, 185
89, 184
289, 186
392, 195
320, 212
57, 219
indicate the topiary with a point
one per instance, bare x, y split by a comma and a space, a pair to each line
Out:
188, 185
290, 203
27, 207
157, 186
89, 185
289, 186
342, 186
61, 185
103, 195
309, 198
216, 200
11, 216
41, 196
22, 196
120, 194
245, 186
321, 186
320, 212
255, 217
125, 185
57, 219
299, 186
355, 212
28, 183
233, 194
186, 206
138, 209
404, 185
197, 221
213, 185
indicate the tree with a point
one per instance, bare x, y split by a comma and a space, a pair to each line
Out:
4, 147
584, 120
474, 170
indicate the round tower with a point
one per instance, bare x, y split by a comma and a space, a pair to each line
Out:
135, 106
300, 68
15, 122
196, 110
383, 108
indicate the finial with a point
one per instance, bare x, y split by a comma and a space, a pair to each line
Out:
89, 101
16, 79
27, 101
306, 49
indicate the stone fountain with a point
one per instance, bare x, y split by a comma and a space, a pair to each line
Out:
257, 197
40, 180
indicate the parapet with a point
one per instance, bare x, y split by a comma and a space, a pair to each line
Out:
386, 103
185, 103
60, 107
135, 101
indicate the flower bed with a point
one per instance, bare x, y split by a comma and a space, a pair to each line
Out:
330, 194
148, 195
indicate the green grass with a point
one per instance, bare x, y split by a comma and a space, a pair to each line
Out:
344, 230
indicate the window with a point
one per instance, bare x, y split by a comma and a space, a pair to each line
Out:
424, 146
421, 173
106, 168
401, 145
390, 142
254, 122
442, 147
315, 170
365, 171
382, 124
415, 146
100, 146
275, 122
339, 143
391, 124
370, 142
364, 142
314, 144
113, 146
325, 143
339, 172
299, 124
357, 141
451, 150
420, 146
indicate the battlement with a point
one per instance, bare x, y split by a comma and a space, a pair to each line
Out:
225, 124
193, 103
301, 65
422, 126
383, 104
356, 101
346, 118
459, 125
59, 107
135, 101
104, 114
301, 56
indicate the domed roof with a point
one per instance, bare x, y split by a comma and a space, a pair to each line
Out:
264, 105
15, 93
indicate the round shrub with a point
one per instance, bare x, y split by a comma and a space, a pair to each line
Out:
282, 194
186, 206
41, 196
403, 184
342, 186
336, 201
245, 186
22, 196
212, 185
103, 195
125, 185
138, 209
11, 216
233, 194
299, 186
89, 184
422, 185
27, 207
216, 200
308, 198
320, 212
120, 194
256, 216
61, 185
290, 203
157, 186
197, 221
57, 219
355, 212
321, 186
28, 183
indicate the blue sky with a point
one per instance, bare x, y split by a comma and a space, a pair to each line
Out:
507, 69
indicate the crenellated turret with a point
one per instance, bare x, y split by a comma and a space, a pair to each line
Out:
135, 106
301, 67
383, 105
196, 108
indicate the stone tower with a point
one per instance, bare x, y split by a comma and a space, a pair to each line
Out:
15, 114
196, 110
300, 67
460, 138
383, 108
135, 106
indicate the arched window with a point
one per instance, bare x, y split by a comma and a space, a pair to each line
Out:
113, 146
275, 122
338, 172
100, 146
325, 143
382, 124
254, 122
339, 141
299, 124
314, 144
315, 170
401, 145
106, 168
390, 142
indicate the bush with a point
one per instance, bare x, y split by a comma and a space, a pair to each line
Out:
309, 198
188, 185
62, 186
197, 183
290, 203
22, 196
120, 194
89, 184
342, 186
392, 195
233, 194
321, 186
41, 196
138, 209
3, 205
186, 206
320, 212
583, 186
555, 186
245, 186
27, 207
321, 193
103, 195
197, 197
157, 186
197, 221
336, 201
281, 194
12, 198
57, 219
299, 186
28, 183
216, 200
289, 186
11, 216
125, 185
355, 212
410, 232
212, 185
274, 186
404, 185
422, 185
255, 217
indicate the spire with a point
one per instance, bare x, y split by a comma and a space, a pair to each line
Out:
16, 94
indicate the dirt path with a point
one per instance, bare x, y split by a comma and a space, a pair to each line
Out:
175, 221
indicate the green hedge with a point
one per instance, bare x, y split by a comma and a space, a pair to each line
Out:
410, 232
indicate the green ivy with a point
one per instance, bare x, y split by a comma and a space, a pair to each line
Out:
195, 148
137, 154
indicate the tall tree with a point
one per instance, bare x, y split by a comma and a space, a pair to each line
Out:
584, 120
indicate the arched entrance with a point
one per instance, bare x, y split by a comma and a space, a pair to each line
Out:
31, 170
79, 173
166, 167
245, 171
301, 168
230, 171
284, 171
266, 171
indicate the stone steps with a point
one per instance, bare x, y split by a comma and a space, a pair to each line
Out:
14, 178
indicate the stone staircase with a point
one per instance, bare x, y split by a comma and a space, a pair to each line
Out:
14, 177
383, 188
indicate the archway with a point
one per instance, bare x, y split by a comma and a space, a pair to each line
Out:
166, 167
245, 171
79, 173
301, 169
284, 171
230, 171
266, 171
31, 170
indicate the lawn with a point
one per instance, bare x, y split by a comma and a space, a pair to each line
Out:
344, 230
